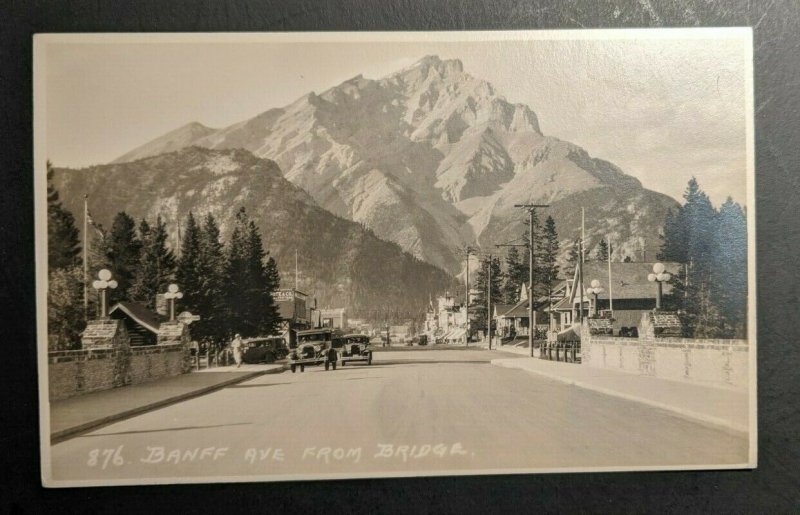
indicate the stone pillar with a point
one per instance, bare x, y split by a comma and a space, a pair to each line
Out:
104, 333
107, 333
647, 339
173, 332
586, 344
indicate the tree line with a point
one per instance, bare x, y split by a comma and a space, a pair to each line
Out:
229, 285
711, 288
710, 291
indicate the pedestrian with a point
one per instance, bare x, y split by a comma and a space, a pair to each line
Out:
236, 347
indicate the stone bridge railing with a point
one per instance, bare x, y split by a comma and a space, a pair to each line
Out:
714, 362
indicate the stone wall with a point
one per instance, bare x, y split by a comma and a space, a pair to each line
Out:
89, 370
712, 362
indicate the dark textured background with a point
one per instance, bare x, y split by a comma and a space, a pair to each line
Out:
773, 487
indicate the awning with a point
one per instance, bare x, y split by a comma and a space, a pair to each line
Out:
456, 334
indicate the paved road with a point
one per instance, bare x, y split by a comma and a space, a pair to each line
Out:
422, 411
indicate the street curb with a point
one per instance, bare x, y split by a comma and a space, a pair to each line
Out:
716, 422
66, 434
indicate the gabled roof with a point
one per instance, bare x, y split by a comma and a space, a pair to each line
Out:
140, 314
501, 309
628, 280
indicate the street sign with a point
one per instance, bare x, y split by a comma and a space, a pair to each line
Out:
187, 318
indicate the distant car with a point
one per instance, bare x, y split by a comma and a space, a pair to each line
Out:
264, 350
355, 347
422, 339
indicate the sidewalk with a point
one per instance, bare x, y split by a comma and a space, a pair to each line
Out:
82, 413
719, 407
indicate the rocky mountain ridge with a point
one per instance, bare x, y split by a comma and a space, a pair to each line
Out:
433, 159
341, 263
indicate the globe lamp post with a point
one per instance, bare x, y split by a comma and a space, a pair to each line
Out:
595, 290
101, 284
659, 276
172, 294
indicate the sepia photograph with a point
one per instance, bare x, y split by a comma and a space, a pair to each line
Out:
301, 256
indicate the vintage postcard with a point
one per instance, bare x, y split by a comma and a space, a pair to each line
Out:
290, 256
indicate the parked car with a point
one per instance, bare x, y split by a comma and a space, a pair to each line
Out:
264, 349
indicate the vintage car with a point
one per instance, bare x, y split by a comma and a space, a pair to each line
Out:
264, 349
356, 348
312, 348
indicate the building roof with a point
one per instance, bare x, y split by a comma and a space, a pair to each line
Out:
628, 280
140, 314
501, 309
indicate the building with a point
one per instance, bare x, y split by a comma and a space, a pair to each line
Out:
630, 293
295, 312
333, 318
141, 323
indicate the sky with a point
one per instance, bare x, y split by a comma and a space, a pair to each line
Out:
662, 109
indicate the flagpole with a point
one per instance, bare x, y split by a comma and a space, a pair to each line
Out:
85, 257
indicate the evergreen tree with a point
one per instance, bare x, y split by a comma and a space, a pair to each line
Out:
712, 288
251, 310
514, 276
124, 252
209, 301
481, 284
550, 250
65, 317
572, 261
156, 264
273, 276
601, 253
729, 275
63, 244
188, 270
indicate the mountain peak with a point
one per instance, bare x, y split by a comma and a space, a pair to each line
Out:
177, 139
444, 67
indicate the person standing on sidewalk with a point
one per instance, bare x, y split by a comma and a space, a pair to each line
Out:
236, 347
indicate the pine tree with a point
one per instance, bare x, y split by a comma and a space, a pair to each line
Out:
572, 261
188, 272
124, 252
729, 275
601, 253
251, 310
549, 270
268, 281
209, 302
482, 283
63, 244
273, 276
156, 264
514, 276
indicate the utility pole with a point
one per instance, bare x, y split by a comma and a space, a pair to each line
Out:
531, 263
85, 257
580, 280
489, 302
468, 250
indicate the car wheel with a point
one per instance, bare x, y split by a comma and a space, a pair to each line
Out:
302, 368
293, 368
343, 363
369, 359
